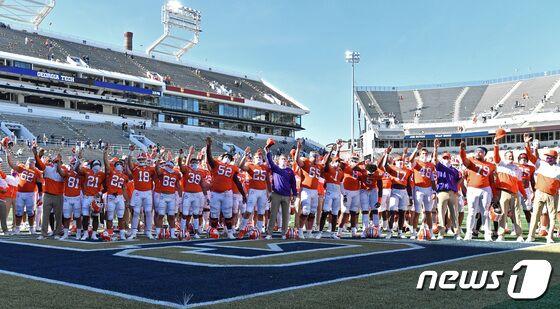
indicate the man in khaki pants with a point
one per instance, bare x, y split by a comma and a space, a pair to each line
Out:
52, 197
547, 185
448, 179
283, 192
509, 185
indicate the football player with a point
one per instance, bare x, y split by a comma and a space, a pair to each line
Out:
333, 196
193, 195
72, 201
117, 197
93, 179
170, 180
310, 171
424, 193
224, 177
142, 197
30, 180
480, 189
259, 189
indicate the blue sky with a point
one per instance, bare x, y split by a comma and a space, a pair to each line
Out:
299, 45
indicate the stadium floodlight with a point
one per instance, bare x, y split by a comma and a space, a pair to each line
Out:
179, 24
352, 57
31, 12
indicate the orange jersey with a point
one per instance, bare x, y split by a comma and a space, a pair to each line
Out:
222, 176
401, 177
91, 184
157, 184
258, 176
479, 174
72, 183
310, 175
527, 172
169, 181
369, 181
386, 179
423, 174
191, 180
53, 182
28, 177
334, 175
116, 182
143, 177
351, 180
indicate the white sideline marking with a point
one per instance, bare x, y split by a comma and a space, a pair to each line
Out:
97, 290
243, 297
202, 251
121, 247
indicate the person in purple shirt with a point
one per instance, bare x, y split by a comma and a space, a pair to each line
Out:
448, 179
284, 192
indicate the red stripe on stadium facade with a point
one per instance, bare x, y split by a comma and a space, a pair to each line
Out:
204, 94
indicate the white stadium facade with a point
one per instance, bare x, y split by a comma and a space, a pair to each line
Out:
469, 111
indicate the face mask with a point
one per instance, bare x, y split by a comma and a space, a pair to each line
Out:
445, 162
399, 164
169, 168
282, 163
508, 161
14, 174
550, 160
119, 168
259, 161
30, 163
226, 160
194, 166
142, 163
96, 168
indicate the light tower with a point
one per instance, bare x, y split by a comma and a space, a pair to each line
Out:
30, 12
352, 57
179, 22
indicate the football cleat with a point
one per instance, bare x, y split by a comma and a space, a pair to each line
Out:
291, 233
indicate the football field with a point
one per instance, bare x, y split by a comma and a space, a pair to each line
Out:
346, 273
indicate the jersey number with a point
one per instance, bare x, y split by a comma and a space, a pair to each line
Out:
168, 181
73, 182
313, 172
194, 178
259, 175
144, 176
27, 176
93, 182
483, 170
117, 181
224, 170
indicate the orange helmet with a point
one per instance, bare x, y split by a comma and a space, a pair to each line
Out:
500, 133
270, 141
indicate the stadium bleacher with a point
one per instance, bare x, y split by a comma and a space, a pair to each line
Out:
470, 101
438, 103
389, 103
527, 95
492, 95
46, 47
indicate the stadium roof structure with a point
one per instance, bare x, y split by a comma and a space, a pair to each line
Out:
31, 12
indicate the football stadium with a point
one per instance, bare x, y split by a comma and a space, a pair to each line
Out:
138, 176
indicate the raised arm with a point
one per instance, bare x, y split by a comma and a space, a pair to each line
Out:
129, 158
273, 167
59, 168
209, 159
297, 158
386, 165
412, 157
11, 163
497, 157
327, 160
106, 159
435, 153
38, 158
463, 154
244, 159
532, 157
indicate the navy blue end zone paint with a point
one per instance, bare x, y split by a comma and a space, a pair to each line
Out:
169, 281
